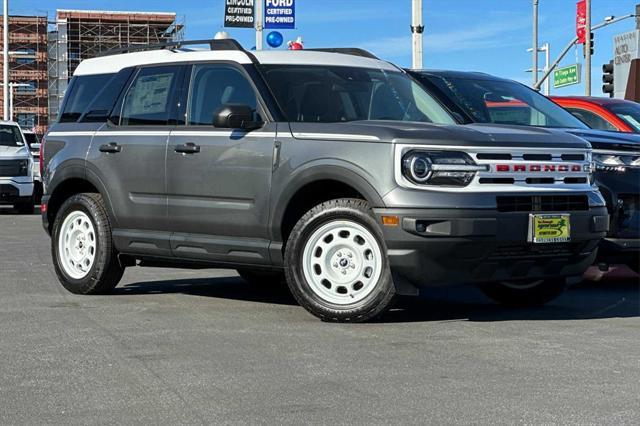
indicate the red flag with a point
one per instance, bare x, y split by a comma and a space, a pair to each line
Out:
581, 21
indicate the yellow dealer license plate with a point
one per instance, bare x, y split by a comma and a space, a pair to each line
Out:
549, 228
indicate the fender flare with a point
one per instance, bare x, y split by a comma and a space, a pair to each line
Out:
339, 171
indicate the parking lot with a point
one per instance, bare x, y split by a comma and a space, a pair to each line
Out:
173, 346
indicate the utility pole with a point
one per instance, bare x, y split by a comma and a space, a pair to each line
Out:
587, 51
417, 28
547, 59
5, 58
259, 18
534, 47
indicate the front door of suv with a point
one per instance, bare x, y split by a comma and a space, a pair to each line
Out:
218, 180
130, 154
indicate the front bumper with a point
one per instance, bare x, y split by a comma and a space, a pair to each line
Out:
472, 246
15, 192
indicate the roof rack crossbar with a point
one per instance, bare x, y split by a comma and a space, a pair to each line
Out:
355, 51
224, 44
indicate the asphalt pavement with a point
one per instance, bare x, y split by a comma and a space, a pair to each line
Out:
203, 347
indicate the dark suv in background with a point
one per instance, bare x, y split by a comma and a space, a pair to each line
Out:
335, 171
481, 98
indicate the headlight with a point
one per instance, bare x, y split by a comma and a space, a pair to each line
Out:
615, 161
23, 166
439, 168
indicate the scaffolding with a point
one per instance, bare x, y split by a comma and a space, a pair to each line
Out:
28, 71
83, 34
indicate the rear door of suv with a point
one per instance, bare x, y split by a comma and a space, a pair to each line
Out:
218, 180
128, 153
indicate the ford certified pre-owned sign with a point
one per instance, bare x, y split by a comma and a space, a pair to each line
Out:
239, 13
280, 14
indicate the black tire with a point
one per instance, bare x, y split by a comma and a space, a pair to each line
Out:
526, 293
106, 270
25, 208
262, 278
375, 303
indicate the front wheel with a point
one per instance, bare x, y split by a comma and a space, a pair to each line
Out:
83, 254
336, 263
525, 293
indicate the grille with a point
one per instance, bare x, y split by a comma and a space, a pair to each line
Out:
520, 251
544, 203
10, 168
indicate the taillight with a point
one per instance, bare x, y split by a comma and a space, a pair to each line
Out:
42, 157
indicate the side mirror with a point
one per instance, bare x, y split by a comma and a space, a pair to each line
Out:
235, 116
35, 147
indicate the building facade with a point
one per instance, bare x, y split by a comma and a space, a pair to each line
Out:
28, 71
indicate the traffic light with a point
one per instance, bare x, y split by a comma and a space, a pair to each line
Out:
584, 46
607, 78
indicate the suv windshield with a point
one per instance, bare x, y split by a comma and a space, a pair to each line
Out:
332, 94
10, 136
628, 112
504, 102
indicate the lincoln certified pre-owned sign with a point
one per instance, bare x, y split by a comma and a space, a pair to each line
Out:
239, 13
280, 14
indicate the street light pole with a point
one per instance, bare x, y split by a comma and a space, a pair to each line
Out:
534, 47
5, 59
259, 24
417, 28
587, 51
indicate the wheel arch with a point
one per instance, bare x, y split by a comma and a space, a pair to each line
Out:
314, 185
70, 181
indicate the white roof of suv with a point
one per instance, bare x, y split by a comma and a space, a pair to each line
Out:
114, 63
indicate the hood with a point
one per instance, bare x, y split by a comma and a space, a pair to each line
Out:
435, 134
14, 152
601, 139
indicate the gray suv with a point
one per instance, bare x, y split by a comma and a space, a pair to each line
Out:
329, 168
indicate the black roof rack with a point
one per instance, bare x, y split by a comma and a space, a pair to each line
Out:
355, 51
224, 44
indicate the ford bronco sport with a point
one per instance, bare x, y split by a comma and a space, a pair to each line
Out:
330, 167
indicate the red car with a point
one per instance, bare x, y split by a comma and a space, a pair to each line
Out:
616, 115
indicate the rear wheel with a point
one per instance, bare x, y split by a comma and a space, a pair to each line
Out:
83, 254
336, 263
525, 293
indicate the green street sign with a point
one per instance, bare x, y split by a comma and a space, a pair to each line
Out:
566, 76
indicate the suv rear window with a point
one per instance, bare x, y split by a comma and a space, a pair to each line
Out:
81, 92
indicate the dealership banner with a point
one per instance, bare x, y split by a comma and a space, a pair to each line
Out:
239, 13
581, 21
280, 14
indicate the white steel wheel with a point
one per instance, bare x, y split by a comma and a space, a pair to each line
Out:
77, 244
342, 262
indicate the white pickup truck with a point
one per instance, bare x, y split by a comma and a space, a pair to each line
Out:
16, 169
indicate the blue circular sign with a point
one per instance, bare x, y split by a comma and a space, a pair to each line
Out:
274, 39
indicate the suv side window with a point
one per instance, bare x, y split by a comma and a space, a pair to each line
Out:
213, 86
99, 109
81, 92
151, 97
